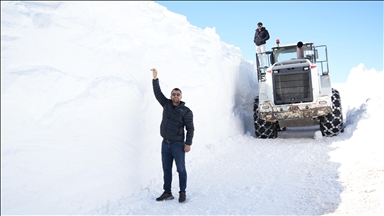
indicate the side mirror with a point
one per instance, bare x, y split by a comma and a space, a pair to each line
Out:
316, 54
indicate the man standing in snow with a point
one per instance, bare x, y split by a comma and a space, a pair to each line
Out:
260, 39
176, 116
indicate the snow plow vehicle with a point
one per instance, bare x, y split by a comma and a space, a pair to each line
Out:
294, 90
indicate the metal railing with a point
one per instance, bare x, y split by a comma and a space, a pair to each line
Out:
324, 72
261, 70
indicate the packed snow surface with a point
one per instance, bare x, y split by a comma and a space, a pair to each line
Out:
80, 124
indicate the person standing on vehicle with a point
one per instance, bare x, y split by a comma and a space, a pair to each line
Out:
176, 116
260, 39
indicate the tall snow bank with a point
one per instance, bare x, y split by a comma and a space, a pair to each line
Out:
80, 123
361, 154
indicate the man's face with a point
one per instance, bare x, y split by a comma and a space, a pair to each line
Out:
259, 26
176, 96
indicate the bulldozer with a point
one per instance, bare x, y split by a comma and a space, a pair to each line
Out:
294, 90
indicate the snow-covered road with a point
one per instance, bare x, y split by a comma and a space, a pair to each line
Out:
281, 176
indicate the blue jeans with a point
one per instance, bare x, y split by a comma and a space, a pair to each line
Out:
170, 152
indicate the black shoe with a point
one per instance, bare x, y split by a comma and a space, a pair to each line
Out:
182, 197
165, 196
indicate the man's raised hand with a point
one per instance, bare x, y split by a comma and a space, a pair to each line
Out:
154, 73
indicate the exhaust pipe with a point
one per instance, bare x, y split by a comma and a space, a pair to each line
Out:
300, 50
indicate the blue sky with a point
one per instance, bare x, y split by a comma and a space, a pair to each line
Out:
352, 31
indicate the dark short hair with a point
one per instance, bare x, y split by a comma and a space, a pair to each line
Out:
259, 23
176, 89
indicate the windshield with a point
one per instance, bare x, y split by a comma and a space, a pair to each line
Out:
290, 53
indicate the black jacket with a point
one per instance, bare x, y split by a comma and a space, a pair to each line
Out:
174, 118
261, 36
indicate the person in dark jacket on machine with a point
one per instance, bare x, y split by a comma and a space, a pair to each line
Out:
260, 39
176, 116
